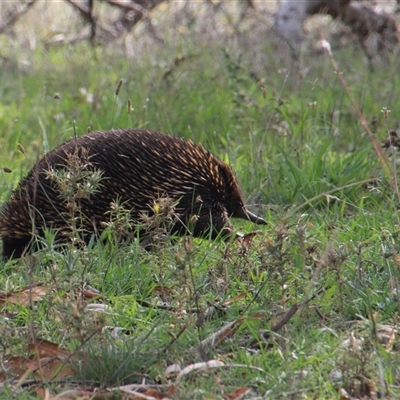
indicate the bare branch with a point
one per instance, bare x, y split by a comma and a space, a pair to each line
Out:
15, 14
131, 7
87, 14
140, 11
127, 21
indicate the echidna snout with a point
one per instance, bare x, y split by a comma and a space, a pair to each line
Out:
244, 213
137, 166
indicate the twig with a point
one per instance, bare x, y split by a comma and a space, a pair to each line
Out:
176, 337
217, 337
264, 336
287, 317
176, 62
14, 15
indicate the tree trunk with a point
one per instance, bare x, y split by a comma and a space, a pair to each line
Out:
361, 18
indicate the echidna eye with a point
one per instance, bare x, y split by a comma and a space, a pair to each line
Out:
238, 203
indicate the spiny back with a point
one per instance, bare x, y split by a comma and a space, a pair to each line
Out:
138, 166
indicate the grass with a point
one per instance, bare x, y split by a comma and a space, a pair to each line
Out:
304, 163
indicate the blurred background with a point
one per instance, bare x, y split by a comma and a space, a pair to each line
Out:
248, 79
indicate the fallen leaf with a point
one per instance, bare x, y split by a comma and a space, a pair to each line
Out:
237, 394
15, 366
235, 299
24, 296
79, 394
91, 293
164, 292
45, 348
47, 368
227, 330
43, 393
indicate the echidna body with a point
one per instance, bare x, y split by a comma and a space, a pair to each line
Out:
137, 167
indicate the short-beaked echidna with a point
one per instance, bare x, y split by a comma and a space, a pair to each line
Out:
137, 167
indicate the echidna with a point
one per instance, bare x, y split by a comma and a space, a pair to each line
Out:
137, 167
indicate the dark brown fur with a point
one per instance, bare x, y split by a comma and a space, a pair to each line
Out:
138, 166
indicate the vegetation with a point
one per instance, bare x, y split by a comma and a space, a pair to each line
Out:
308, 308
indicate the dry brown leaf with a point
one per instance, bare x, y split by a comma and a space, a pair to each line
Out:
45, 368
91, 293
47, 362
15, 366
164, 292
171, 390
48, 368
25, 296
237, 394
248, 237
155, 394
226, 331
235, 299
246, 241
150, 394
44, 348
257, 316
79, 394
33, 293
43, 393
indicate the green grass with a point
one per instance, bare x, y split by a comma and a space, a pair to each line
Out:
309, 170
